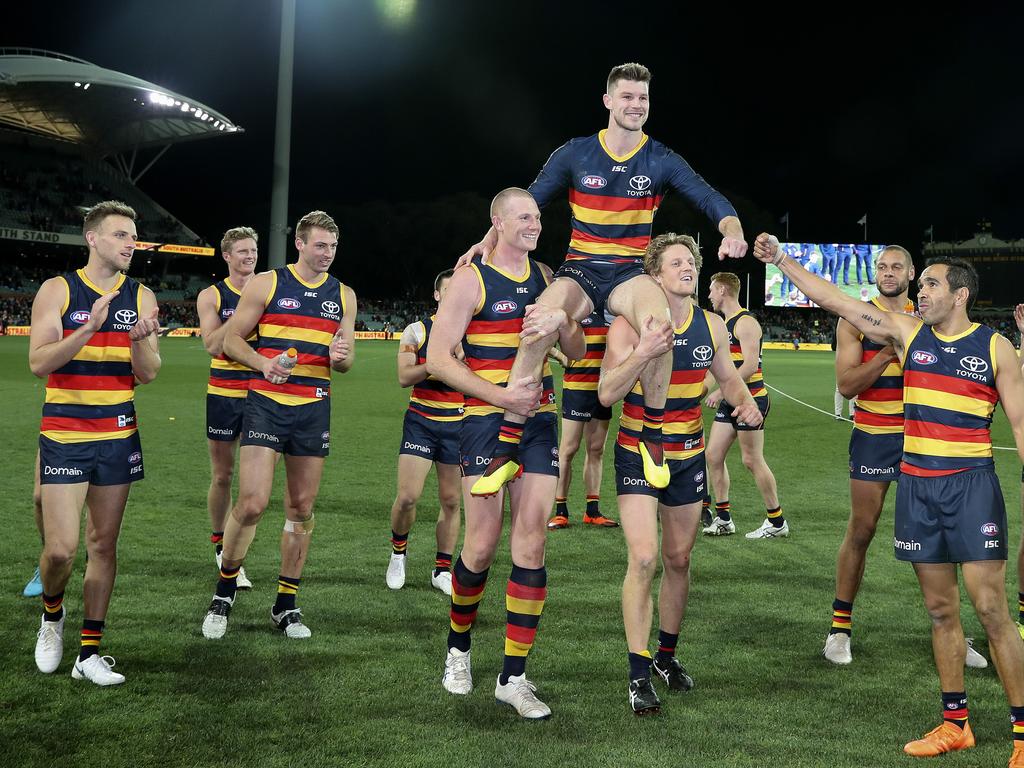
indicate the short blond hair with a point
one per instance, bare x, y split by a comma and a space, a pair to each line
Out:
657, 247
631, 71
94, 216
730, 280
315, 219
235, 234
501, 199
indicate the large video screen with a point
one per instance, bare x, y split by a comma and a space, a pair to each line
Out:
850, 266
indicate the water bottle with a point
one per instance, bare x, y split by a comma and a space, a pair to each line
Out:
286, 360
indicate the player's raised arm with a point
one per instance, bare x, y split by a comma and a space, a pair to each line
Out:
1010, 385
627, 354
878, 325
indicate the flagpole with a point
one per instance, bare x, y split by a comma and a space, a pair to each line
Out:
865, 229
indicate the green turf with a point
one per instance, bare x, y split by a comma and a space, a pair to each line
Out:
365, 690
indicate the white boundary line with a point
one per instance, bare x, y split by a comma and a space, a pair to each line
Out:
842, 418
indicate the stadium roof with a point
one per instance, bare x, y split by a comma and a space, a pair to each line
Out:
69, 99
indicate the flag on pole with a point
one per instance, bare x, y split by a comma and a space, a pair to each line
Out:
930, 231
863, 220
785, 218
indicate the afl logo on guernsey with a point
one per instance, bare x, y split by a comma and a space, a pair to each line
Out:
990, 529
227, 313
287, 303
504, 307
924, 358
81, 317
594, 182
126, 316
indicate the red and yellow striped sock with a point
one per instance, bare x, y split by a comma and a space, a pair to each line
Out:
92, 634
53, 607
467, 590
842, 617
524, 603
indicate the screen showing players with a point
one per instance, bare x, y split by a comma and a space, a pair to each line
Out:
850, 266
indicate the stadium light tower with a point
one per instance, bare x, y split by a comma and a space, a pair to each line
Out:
282, 139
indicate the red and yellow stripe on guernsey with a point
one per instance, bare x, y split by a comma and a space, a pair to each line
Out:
682, 425
583, 375
499, 334
679, 425
229, 378
310, 379
432, 398
99, 375
945, 392
524, 606
755, 382
879, 408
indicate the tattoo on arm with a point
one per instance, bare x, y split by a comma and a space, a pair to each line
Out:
872, 319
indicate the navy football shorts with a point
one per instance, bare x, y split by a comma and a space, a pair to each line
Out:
97, 462
538, 450
957, 518
294, 430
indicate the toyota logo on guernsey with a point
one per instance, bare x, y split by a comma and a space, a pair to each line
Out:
702, 353
594, 182
330, 307
504, 307
126, 316
924, 358
81, 317
288, 303
973, 364
640, 183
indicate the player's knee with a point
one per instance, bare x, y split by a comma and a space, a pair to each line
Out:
643, 563
221, 477
595, 450
677, 560
567, 453
57, 556
405, 503
301, 508
752, 462
477, 556
249, 509
942, 612
450, 504
37, 503
862, 533
991, 612
102, 548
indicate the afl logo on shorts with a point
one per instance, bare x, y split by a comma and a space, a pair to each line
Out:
135, 458
594, 182
126, 316
325, 436
287, 303
990, 529
81, 317
225, 313
330, 307
504, 307
924, 358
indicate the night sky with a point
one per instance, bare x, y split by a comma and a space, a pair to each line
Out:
912, 117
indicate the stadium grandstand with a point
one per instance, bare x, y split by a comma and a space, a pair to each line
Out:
73, 134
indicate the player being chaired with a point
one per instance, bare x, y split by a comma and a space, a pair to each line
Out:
298, 307
483, 311
430, 438
616, 179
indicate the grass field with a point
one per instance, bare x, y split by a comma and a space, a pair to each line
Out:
365, 690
